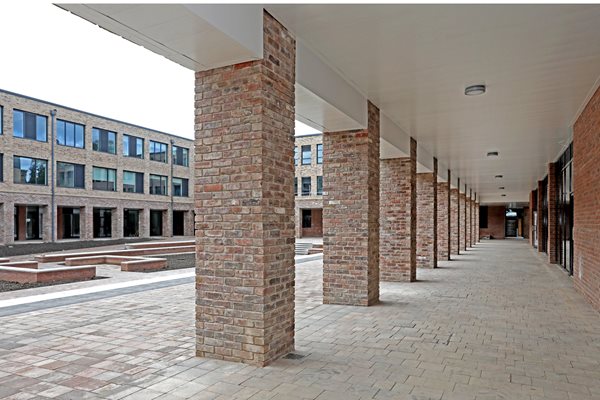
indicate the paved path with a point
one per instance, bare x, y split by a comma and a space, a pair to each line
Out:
498, 323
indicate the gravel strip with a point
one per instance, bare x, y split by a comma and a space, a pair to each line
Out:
11, 286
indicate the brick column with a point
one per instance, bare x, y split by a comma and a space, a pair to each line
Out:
351, 214
553, 256
244, 213
117, 222
476, 221
539, 214
454, 222
442, 221
7, 231
471, 241
426, 206
462, 231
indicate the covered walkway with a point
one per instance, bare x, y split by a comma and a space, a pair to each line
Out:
497, 322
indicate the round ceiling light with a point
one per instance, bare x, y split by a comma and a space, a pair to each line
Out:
501, 187
503, 195
474, 90
492, 154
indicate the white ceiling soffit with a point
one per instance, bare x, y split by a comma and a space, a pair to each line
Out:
389, 151
196, 36
539, 63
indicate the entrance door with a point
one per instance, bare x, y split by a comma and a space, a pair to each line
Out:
33, 223
156, 223
70, 222
102, 222
178, 221
131, 223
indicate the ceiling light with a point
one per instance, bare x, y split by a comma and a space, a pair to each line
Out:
492, 154
498, 177
501, 187
474, 90
503, 195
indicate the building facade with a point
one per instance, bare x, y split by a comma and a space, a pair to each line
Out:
69, 174
308, 185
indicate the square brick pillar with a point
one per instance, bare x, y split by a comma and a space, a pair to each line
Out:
244, 203
531, 209
426, 220
442, 221
553, 256
351, 214
7, 213
462, 231
471, 241
454, 222
476, 221
398, 217
539, 214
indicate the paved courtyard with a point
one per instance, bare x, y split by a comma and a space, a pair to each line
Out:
497, 323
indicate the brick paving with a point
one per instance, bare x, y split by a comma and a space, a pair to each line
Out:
498, 323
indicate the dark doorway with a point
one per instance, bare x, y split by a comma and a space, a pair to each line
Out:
178, 223
564, 210
69, 223
131, 223
156, 223
312, 222
102, 222
28, 223
543, 219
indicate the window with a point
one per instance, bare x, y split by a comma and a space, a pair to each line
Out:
133, 182
158, 184
29, 126
69, 134
295, 186
306, 218
30, 170
158, 151
180, 187
319, 154
296, 155
306, 155
70, 175
320, 185
483, 217
104, 141
180, 156
1, 167
133, 146
104, 179
306, 186
1, 120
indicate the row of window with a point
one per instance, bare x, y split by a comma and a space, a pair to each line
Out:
35, 127
304, 154
306, 186
34, 171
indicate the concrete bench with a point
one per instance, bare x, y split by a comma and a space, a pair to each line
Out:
4, 260
48, 275
20, 264
146, 245
129, 252
130, 264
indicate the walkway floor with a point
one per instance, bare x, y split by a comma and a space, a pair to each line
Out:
498, 323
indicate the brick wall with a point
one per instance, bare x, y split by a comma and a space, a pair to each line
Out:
553, 256
245, 204
442, 223
586, 175
426, 220
495, 223
351, 215
539, 214
454, 221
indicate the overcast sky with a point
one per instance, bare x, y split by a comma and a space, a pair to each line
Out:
53, 55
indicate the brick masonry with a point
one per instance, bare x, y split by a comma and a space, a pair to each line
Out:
553, 256
532, 200
426, 220
314, 200
351, 215
454, 221
495, 222
586, 175
398, 252
245, 205
463, 222
442, 221
539, 213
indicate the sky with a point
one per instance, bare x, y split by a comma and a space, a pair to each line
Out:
58, 57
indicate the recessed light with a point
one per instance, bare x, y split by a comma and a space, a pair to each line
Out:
501, 187
492, 154
474, 90
503, 195
498, 177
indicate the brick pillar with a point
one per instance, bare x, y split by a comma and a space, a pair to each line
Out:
462, 231
539, 214
476, 222
7, 231
553, 256
454, 222
117, 222
471, 241
244, 214
531, 209
46, 215
426, 205
442, 221
351, 215
449, 214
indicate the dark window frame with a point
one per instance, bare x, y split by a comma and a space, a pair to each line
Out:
302, 154
94, 168
99, 147
78, 175
177, 152
75, 125
152, 151
304, 184
165, 186
319, 185
34, 162
319, 153
185, 184
139, 182
131, 139
26, 124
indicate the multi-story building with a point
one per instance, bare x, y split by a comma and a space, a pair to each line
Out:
308, 185
69, 174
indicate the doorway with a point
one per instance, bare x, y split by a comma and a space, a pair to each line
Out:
102, 223
178, 223
28, 223
156, 222
69, 222
312, 222
131, 223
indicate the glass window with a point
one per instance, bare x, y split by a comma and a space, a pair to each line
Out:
1, 120
158, 184
180, 187
30, 170
29, 126
104, 179
296, 155
70, 175
306, 218
306, 156
319, 185
306, 186
180, 156
133, 146
133, 182
158, 151
69, 134
319, 154
104, 141
295, 186
1, 167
